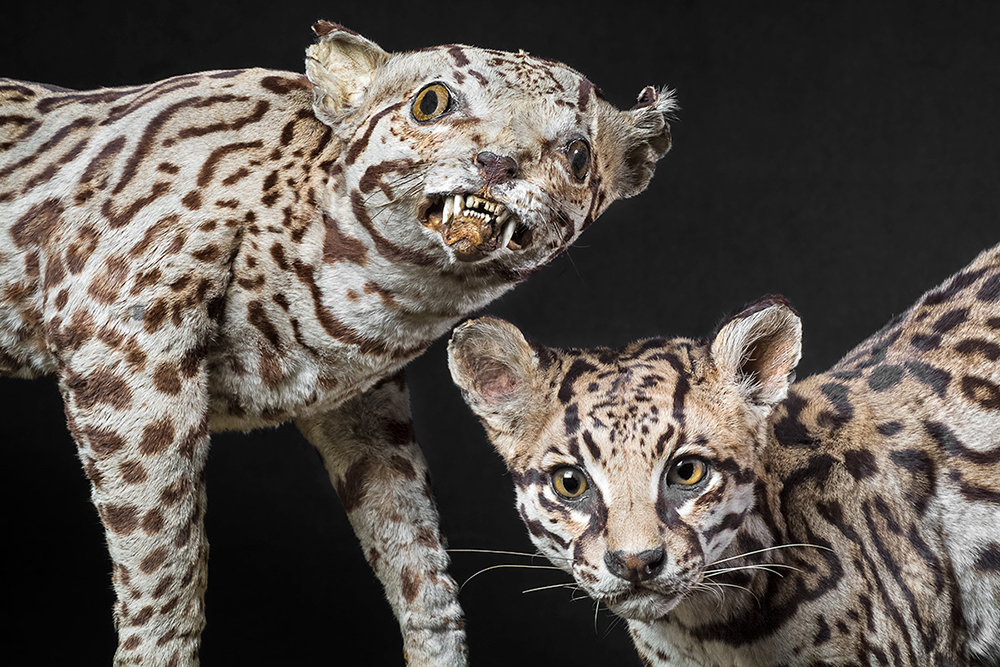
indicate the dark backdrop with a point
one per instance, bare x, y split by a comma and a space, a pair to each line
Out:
846, 157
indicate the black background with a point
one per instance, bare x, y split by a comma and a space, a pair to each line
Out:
845, 155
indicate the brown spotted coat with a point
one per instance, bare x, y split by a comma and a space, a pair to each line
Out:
235, 249
852, 518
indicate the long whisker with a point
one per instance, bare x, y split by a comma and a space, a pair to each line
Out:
412, 181
754, 595
761, 566
498, 567
615, 622
711, 586
504, 553
758, 551
711, 573
551, 586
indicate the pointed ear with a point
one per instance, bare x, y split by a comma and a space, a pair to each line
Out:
636, 140
341, 65
499, 374
758, 349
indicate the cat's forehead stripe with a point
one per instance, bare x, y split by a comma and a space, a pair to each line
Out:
523, 71
627, 375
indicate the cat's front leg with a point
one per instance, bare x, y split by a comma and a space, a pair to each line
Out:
139, 421
382, 479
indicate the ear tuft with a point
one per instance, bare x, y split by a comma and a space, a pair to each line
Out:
758, 349
639, 138
340, 65
324, 27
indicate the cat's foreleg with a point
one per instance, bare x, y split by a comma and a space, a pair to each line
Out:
139, 421
381, 477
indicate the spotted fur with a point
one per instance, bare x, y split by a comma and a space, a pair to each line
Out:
235, 249
852, 518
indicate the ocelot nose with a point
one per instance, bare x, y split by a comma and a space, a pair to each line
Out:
496, 168
635, 567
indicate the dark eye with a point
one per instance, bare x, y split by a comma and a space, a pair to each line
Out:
687, 471
431, 102
578, 154
569, 482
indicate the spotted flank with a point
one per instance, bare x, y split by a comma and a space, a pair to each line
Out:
236, 249
735, 518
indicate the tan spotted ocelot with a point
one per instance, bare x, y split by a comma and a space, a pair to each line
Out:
234, 249
736, 519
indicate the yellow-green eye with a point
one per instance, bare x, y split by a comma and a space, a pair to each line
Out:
578, 154
687, 471
569, 482
431, 102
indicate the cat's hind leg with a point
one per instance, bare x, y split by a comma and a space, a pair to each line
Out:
374, 462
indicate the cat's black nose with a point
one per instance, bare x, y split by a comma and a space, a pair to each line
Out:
496, 168
635, 567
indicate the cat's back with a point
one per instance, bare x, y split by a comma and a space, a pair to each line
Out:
896, 449
107, 186
46, 130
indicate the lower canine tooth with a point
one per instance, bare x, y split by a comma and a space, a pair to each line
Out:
508, 234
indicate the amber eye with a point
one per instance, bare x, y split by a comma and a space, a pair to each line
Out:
578, 154
569, 482
431, 102
687, 471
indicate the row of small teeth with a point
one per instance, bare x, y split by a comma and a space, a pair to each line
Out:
468, 205
456, 205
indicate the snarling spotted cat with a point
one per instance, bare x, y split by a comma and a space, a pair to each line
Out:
734, 518
235, 249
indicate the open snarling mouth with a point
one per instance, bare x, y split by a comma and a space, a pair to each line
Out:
473, 226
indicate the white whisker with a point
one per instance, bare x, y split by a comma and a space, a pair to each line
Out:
758, 551
615, 622
715, 590
551, 586
754, 595
510, 565
761, 566
503, 553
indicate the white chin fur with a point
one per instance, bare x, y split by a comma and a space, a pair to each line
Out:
643, 606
